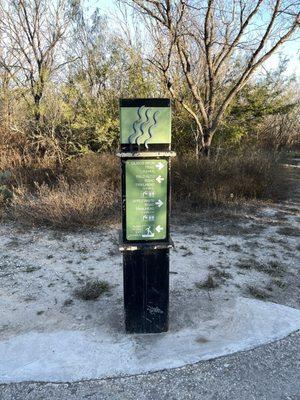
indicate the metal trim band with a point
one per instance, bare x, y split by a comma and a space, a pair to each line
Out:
144, 154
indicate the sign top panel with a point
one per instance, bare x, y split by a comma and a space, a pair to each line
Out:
156, 102
145, 121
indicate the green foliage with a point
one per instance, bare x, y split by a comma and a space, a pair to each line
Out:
254, 103
91, 125
4, 176
5, 193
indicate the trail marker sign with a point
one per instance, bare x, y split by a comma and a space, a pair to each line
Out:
145, 151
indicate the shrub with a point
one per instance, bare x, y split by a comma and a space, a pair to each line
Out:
21, 163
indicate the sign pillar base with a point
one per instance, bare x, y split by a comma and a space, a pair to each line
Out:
146, 290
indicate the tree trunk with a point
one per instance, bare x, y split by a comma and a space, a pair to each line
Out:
205, 150
197, 149
6, 102
206, 142
37, 111
197, 136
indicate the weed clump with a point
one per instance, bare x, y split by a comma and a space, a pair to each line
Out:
30, 269
234, 247
272, 268
247, 264
68, 302
257, 293
222, 274
208, 283
278, 282
289, 231
91, 290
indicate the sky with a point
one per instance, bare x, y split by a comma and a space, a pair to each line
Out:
290, 49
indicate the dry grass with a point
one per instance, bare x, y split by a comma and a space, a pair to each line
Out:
86, 191
227, 179
86, 194
96, 169
65, 206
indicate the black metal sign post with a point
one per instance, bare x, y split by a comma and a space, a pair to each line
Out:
145, 151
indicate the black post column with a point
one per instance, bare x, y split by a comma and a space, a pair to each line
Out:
145, 126
146, 290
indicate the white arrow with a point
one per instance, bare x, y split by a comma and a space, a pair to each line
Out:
159, 203
160, 165
159, 228
159, 179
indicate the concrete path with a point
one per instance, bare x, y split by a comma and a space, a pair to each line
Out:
65, 356
270, 372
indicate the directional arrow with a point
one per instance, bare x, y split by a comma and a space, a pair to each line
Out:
159, 228
159, 179
159, 203
160, 165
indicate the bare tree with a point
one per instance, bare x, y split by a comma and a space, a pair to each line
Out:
30, 34
281, 131
208, 50
5, 78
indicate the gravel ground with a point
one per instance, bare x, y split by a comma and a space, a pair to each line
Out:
270, 372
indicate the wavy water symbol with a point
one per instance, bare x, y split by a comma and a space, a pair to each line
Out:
138, 121
142, 126
150, 127
139, 131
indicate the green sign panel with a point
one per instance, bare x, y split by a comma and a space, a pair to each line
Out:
145, 125
146, 199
